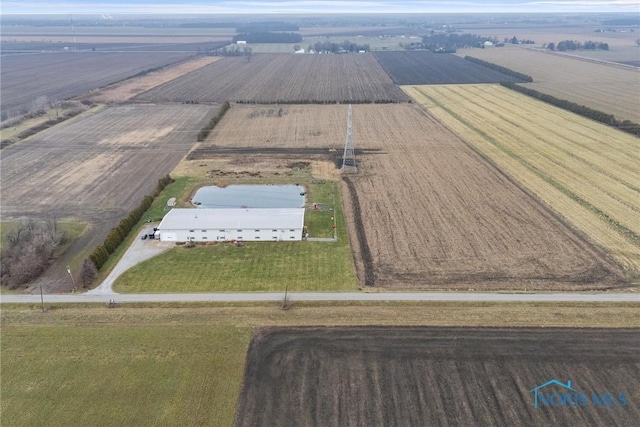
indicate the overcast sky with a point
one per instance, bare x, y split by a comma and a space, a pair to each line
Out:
315, 6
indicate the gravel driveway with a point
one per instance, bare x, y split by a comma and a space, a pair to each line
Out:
140, 250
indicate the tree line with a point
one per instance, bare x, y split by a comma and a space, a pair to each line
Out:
206, 130
500, 68
609, 119
344, 47
268, 37
448, 42
118, 234
267, 26
576, 45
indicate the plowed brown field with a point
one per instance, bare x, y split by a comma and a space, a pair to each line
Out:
98, 166
271, 78
425, 211
423, 376
436, 215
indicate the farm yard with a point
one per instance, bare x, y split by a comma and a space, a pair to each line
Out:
608, 88
274, 78
263, 144
430, 213
65, 75
98, 166
585, 171
425, 68
435, 376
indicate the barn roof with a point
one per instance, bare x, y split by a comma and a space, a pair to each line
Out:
241, 219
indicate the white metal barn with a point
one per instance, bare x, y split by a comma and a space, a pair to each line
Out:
215, 225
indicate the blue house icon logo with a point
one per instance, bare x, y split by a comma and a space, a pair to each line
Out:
537, 393
562, 394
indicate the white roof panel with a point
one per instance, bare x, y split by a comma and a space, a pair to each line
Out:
240, 219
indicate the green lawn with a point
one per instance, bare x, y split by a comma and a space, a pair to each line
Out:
121, 373
257, 266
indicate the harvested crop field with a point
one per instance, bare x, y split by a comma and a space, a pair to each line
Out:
291, 130
98, 166
433, 214
65, 75
272, 78
427, 68
438, 376
585, 171
608, 88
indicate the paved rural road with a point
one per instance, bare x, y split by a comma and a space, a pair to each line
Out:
312, 296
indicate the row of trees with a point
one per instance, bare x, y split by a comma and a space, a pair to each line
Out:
515, 40
28, 249
267, 26
205, 131
500, 68
268, 37
344, 47
449, 42
118, 234
576, 45
609, 119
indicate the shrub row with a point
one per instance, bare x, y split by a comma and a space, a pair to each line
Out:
609, 119
118, 234
500, 68
204, 133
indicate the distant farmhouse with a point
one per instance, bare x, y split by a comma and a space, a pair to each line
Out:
215, 225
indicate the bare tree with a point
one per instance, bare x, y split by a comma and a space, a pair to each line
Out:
39, 106
88, 273
29, 248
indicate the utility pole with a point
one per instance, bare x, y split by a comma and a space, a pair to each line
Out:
41, 297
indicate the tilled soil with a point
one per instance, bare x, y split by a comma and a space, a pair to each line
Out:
437, 376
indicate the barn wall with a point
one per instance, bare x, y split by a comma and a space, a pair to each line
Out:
216, 235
